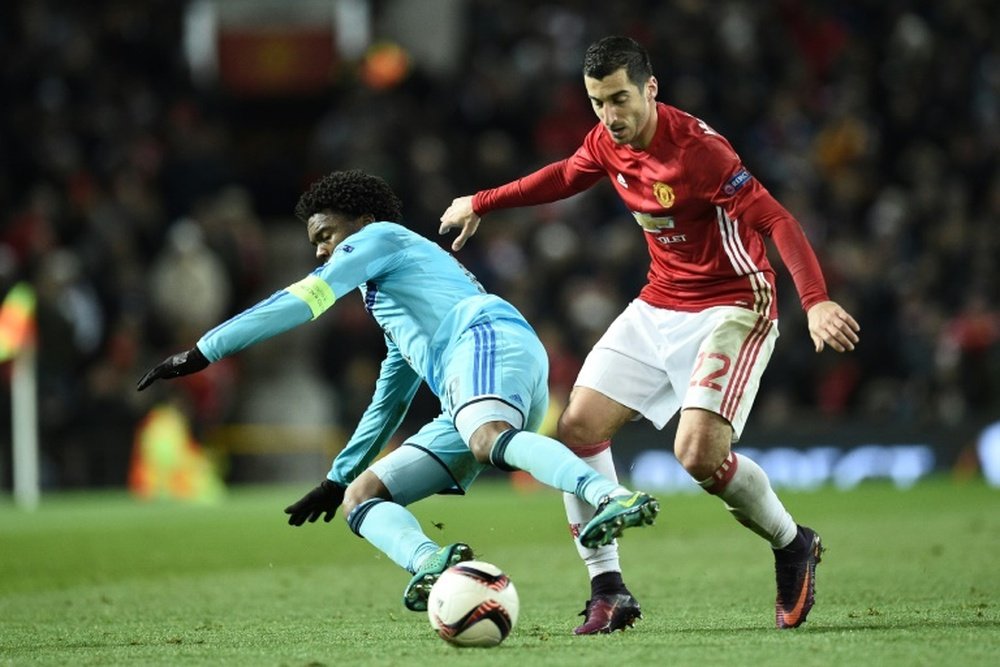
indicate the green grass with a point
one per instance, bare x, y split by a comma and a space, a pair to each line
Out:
909, 578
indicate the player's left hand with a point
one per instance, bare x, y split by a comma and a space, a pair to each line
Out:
830, 324
182, 363
325, 498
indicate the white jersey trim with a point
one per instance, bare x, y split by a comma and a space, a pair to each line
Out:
742, 263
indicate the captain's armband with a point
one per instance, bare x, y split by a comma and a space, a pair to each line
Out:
315, 292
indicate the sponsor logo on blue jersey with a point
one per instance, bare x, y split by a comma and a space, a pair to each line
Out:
739, 179
346, 248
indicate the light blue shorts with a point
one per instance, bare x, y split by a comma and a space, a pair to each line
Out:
497, 371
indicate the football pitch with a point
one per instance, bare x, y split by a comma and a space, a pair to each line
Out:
910, 577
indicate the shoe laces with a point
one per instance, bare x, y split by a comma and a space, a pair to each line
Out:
608, 598
602, 504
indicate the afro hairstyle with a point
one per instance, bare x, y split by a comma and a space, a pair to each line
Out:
353, 193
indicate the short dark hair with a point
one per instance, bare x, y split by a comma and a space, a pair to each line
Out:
610, 54
353, 193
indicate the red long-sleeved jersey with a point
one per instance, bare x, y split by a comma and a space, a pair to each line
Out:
704, 215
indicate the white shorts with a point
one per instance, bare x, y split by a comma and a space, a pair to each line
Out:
658, 361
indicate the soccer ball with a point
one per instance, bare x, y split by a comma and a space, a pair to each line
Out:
473, 604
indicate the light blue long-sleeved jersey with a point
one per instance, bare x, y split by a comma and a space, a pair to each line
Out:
420, 295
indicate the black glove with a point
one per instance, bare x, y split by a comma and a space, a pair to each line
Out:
182, 363
324, 498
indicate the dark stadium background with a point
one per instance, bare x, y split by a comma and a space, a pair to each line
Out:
147, 196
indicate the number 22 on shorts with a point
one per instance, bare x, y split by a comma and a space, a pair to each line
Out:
708, 379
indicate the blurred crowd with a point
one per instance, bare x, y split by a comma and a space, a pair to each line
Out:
145, 208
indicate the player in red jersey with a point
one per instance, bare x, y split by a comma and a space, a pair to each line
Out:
698, 337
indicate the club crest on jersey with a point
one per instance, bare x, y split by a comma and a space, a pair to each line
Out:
664, 194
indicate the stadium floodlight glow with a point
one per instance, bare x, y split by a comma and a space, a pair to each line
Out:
808, 468
988, 449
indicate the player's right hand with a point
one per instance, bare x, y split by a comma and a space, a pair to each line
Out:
460, 215
325, 498
182, 363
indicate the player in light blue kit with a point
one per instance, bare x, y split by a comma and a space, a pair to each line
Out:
474, 350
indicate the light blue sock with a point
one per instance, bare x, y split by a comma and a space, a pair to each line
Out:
552, 463
394, 531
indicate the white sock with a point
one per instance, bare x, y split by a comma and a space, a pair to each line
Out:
602, 559
751, 500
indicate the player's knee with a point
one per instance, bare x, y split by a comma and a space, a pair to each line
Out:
480, 451
350, 502
700, 456
355, 494
574, 431
482, 440
703, 442
481, 443
590, 421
